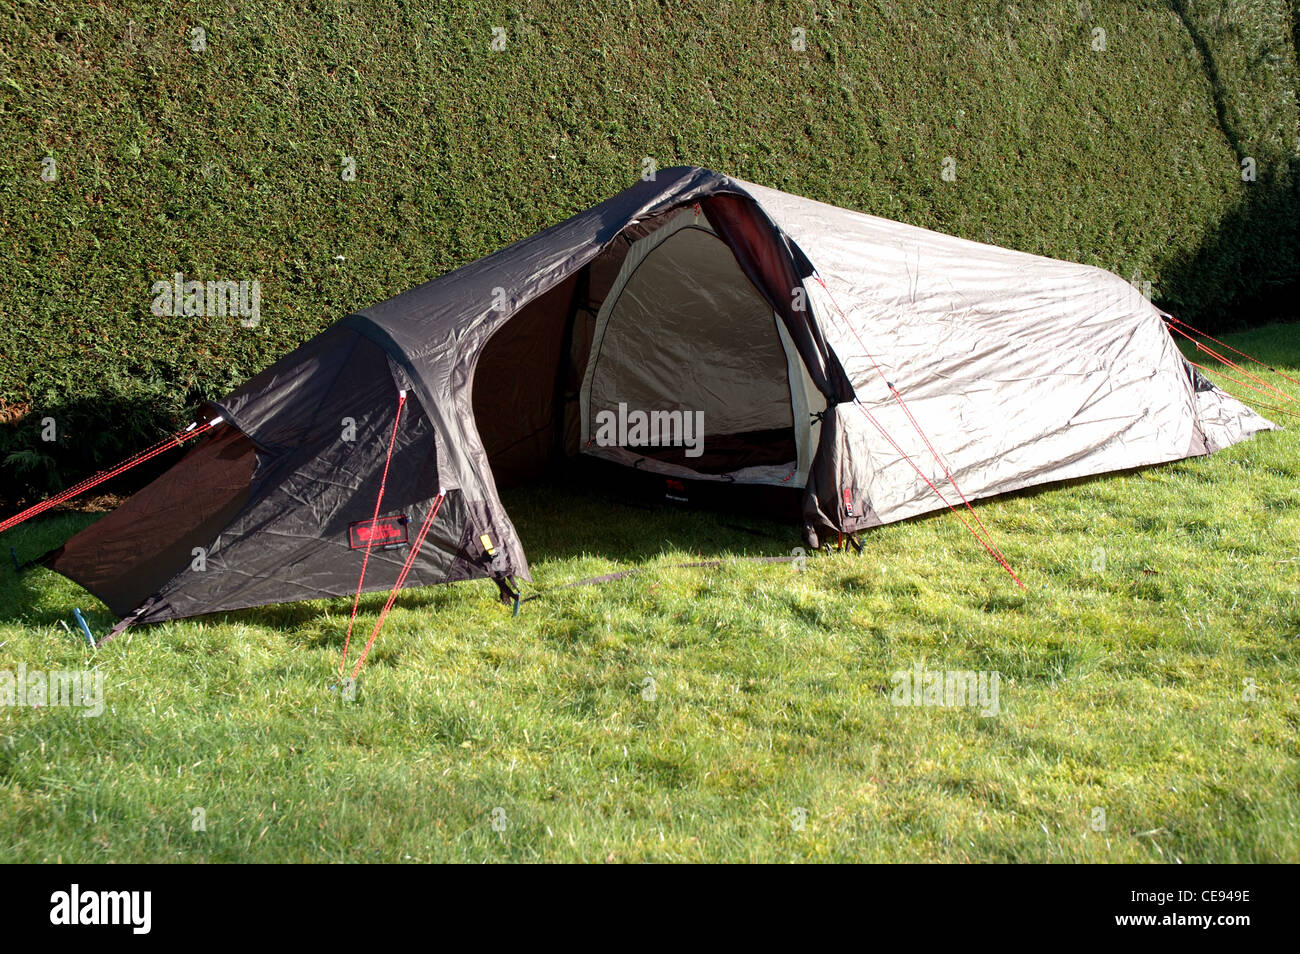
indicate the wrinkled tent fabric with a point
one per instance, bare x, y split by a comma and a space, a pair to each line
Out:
1021, 370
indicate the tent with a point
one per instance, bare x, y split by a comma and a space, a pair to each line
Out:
696, 327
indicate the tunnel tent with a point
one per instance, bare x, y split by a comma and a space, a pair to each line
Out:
875, 369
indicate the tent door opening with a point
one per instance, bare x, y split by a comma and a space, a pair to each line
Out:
691, 373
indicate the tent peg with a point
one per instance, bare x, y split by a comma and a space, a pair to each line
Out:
81, 621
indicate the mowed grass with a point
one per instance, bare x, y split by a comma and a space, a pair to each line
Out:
1160, 689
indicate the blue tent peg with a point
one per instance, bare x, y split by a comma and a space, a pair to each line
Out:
81, 621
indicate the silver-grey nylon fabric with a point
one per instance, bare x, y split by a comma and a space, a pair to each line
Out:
1020, 370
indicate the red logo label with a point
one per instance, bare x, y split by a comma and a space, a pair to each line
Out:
380, 534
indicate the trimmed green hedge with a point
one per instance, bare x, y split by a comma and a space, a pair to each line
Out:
226, 163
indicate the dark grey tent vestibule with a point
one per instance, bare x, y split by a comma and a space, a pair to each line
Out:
864, 365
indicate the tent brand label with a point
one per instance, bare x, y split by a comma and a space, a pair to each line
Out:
379, 534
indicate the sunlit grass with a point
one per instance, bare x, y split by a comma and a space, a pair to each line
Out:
1159, 689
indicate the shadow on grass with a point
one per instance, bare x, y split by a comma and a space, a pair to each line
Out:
572, 515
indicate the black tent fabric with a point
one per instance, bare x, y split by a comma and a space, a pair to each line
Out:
288, 538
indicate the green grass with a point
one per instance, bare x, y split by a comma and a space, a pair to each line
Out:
1124, 689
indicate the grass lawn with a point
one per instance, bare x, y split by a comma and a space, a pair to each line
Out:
1149, 672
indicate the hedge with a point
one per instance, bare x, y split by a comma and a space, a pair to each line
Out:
1121, 135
